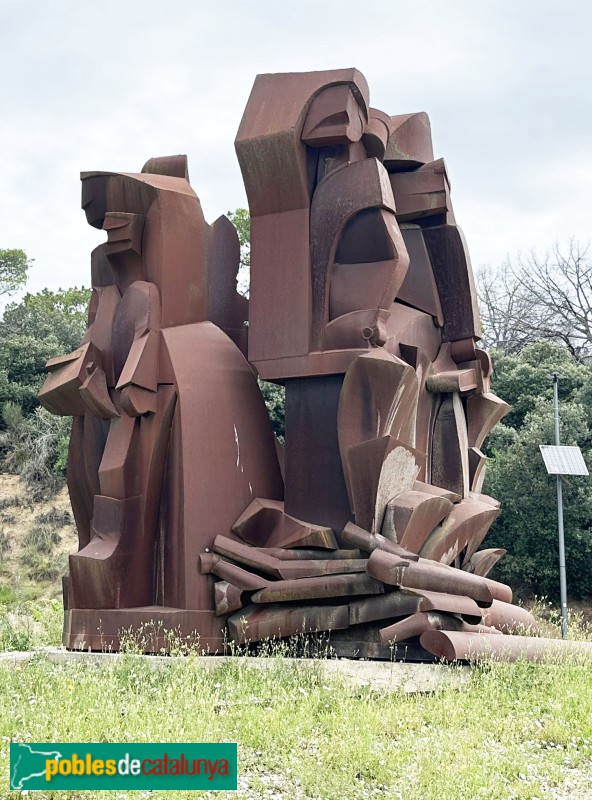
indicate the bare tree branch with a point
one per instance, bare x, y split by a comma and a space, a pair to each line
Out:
539, 298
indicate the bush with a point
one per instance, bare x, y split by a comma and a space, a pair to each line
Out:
42, 538
56, 517
5, 545
41, 566
39, 557
33, 447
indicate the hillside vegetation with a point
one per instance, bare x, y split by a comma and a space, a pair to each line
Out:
35, 540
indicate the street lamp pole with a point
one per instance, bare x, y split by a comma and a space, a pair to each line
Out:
562, 572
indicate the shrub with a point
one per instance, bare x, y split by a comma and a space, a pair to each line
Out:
39, 556
41, 566
32, 447
5, 545
43, 538
55, 516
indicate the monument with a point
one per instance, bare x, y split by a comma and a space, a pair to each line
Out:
367, 523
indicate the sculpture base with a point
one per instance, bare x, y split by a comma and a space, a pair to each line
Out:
159, 629
150, 629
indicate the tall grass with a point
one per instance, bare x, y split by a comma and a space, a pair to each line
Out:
515, 731
26, 624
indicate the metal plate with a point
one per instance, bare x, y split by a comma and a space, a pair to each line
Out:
560, 460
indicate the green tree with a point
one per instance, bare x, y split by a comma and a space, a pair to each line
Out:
521, 380
275, 401
14, 268
59, 315
516, 475
32, 331
33, 442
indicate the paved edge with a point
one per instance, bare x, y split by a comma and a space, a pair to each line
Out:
374, 675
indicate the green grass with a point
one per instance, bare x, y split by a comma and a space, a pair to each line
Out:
516, 731
26, 624
7, 595
512, 733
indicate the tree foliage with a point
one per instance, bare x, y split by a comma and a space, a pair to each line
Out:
37, 328
14, 268
275, 401
523, 380
59, 315
516, 475
241, 220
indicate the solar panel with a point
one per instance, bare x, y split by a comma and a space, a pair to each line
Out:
561, 460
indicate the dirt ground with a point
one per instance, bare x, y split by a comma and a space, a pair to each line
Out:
21, 522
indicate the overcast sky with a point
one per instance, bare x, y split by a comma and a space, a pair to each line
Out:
85, 86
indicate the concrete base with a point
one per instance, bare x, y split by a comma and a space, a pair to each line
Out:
375, 675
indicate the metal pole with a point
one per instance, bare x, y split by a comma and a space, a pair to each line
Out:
562, 572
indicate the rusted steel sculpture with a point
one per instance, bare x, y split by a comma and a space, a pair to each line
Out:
362, 303
170, 439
